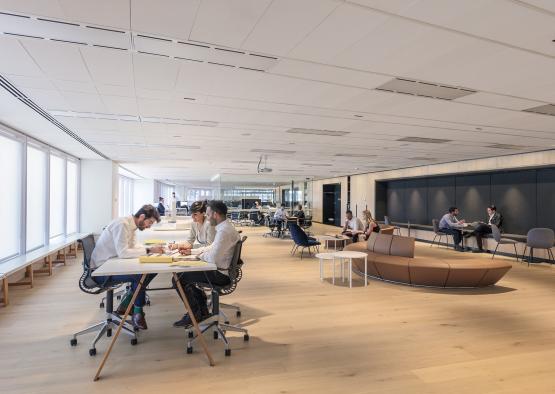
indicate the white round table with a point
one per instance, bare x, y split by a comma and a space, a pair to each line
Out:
350, 255
323, 257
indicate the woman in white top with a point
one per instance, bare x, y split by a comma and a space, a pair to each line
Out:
202, 232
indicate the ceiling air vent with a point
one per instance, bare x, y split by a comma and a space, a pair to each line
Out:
507, 146
424, 89
333, 133
548, 109
423, 140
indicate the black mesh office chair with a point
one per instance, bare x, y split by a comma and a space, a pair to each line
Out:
214, 321
88, 285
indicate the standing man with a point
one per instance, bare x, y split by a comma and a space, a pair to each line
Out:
484, 228
118, 240
449, 224
280, 217
220, 252
161, 208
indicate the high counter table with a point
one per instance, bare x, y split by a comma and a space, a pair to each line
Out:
134, 267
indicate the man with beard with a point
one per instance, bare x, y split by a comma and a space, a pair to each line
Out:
118, 240
220, 252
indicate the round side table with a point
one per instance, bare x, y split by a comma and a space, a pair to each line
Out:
350, 255
323, 257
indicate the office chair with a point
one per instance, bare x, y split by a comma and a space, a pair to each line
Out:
214, 321
501, 241
88, 285
539, 238
438, 233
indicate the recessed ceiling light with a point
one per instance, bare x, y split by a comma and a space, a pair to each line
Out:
356, 168
358, 116
189, 98
245, 134
479, 128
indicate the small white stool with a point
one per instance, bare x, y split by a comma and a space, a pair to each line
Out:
350, 255
326, 257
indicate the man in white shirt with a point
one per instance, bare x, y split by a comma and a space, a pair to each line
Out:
118, 240
280, 216
353, 226
220, 252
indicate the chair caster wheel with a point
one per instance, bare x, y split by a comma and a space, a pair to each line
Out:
136, 329
148, 303
134, 341
189, 350
238, 313
246, 337
190, 334
92, 352
226, 322
101, 305
109, 332
73, 342
215, 334
228, 352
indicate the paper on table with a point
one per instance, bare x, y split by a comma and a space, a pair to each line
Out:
191, 257
154, 242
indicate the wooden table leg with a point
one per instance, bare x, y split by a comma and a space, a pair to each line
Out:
29, 274
193, 319
123, 319
5, 290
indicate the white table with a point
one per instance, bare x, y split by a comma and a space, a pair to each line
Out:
323, 257
134, 267
350, 255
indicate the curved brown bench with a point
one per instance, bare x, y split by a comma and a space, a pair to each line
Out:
391, 258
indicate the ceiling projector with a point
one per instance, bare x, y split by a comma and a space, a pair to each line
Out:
264, 168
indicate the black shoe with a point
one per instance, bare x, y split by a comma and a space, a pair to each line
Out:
186, 321
477, 251
468, 235
139, 321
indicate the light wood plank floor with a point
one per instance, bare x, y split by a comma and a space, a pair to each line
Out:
306, 336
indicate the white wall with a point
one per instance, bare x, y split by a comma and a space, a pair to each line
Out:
99, 194
143, 193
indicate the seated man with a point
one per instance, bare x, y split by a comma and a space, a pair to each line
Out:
161, 208
220, 252
118, 240
449, 224
484, 228
353, 226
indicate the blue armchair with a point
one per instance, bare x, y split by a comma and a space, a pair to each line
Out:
301, 239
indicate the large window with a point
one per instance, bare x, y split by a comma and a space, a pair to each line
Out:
125, 196
10, 199
71, 197
57, 195
36, 197
199, 194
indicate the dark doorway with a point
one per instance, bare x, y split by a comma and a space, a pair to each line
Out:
331, 204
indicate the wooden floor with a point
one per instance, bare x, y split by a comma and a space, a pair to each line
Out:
306, 336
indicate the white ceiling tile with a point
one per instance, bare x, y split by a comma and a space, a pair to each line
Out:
171, 18
75, 86
227, 22
109, 66
121, 105
343, 28
498, 101
285, 23
48, 99
49, 8
31, 82
58, 60
84, 102
112, 13
18, 62
154, 72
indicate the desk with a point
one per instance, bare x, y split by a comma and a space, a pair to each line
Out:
328, 238
133, 267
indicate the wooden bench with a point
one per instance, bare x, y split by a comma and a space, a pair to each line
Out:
55, 253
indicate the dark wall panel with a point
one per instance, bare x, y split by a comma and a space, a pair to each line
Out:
441, 196
546, 198
514, 194
416, 200
396, 201
381, 200
472, 196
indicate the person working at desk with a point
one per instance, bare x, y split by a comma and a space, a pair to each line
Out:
220, 252
371, 224
202, 232
299, 214
484, 228
161, 208
118, 240
353, 226
449, 224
